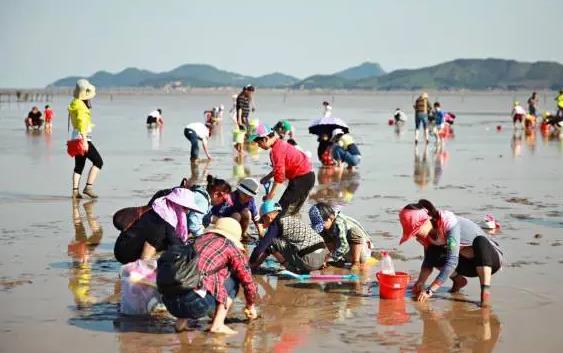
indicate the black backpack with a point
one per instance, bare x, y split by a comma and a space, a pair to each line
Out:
177, 270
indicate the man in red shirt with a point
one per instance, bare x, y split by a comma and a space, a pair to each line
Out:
288, 163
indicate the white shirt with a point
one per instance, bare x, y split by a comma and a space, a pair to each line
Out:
155, 114
400, 115
200, 129
518, 110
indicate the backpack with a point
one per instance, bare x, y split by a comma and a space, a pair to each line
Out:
126, 217
177, 270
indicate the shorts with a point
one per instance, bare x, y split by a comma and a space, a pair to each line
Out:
517, 118
420, 118
190, 305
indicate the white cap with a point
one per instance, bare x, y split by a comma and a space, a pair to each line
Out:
337, 132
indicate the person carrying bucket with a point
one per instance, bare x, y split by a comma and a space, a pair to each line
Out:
455, 245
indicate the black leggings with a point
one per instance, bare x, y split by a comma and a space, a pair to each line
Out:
483, 249
296, 193
92, 155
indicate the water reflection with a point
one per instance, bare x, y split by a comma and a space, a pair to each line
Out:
441, 156
198, 172
516, 143
155, 136
336, 185
421, 174
460, 328
240, 169
80, 250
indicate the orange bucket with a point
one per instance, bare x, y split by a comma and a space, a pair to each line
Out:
392, 286
393, 312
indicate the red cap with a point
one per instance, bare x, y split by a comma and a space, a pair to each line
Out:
411, 221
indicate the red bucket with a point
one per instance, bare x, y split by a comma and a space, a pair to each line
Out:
392, 286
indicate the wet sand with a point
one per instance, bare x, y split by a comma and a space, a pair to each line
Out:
58, 277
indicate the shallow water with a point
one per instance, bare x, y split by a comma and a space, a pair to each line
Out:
58, 276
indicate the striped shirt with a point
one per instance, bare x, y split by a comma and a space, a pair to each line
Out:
243, 103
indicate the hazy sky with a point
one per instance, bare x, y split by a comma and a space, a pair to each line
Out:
42, 41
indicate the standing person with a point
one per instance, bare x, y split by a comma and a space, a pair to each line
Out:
439, 118
79, 113
196, 132
455, 245
327, 109
518, 114
533, 104
345, 149
288, 163
49, 115
345, 237
244, 101
222, 258
421, 109
155, 118
34, 118
293, 243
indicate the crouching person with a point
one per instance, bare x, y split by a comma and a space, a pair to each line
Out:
292, 242
222, 266
345, 237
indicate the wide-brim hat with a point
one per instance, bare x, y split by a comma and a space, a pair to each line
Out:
249, 186
412, 221
184, 198
424, 95
84, 90
229, 228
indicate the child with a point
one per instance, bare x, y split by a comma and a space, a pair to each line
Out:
293, 243
49, 115
345, 237
439, 121
518, 114
196, 132
288, 163
283, 128
399, 116
241, 206
344, 149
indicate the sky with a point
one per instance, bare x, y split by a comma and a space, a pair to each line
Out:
45, 40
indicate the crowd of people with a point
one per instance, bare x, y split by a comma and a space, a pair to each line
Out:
199, 232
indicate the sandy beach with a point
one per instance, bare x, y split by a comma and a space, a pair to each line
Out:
59, 280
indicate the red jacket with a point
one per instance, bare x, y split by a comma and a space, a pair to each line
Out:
288, 162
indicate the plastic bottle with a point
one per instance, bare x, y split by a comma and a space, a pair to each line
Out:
387, 267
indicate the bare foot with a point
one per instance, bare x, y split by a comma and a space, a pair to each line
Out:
224, 329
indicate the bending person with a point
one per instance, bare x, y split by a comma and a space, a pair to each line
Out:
293, 243
164, 224
455, 245
288, 163
221, 255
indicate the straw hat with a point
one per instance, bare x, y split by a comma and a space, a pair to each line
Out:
424, 95
229, 228
84, 90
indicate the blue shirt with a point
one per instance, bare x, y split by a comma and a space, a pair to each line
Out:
198, 221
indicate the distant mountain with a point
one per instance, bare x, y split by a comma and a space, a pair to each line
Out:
276, 79
476, 74
362, 71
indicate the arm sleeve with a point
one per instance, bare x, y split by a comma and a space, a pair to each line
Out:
342, 247
264, 244
452, 255
278, 163
239, 267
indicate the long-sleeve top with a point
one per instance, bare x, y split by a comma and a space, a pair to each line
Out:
288, 162
343, 225
221, 258
460, 232
80, 118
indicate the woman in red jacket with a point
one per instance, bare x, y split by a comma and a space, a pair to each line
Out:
288, 163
